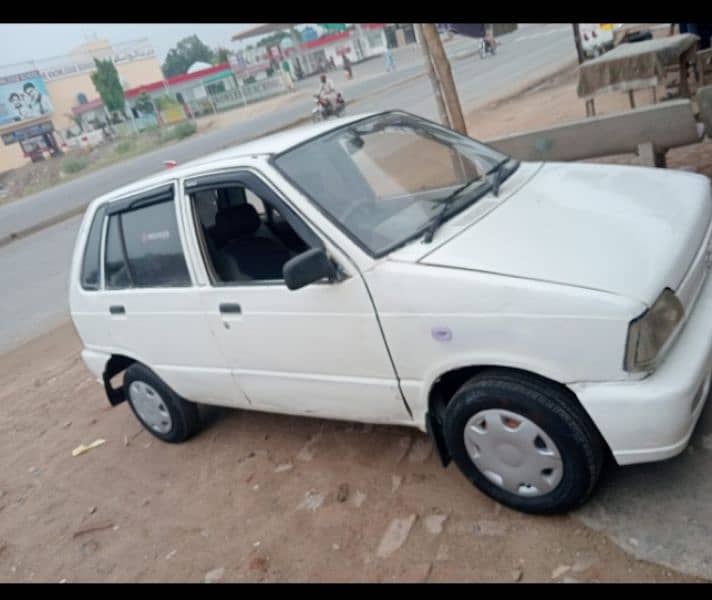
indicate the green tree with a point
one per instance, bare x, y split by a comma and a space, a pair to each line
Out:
107, 84
188, 51
221, 55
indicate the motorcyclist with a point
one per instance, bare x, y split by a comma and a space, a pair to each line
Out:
328, 93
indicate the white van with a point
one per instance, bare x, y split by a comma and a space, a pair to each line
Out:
533, 318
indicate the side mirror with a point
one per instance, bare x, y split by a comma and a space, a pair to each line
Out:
308, 267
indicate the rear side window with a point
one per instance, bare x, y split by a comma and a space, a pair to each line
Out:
153, 248
143, 248
91, 262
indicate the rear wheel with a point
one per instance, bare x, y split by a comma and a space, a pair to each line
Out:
158, 408
524, 441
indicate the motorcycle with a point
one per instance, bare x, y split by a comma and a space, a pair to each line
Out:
324, 109
487, 47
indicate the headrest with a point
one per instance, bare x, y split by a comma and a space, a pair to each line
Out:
236, 221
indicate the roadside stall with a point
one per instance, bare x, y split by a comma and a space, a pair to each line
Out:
636, 66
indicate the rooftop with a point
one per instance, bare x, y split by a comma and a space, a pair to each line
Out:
262, 30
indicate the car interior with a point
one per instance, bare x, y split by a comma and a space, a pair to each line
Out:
245, 238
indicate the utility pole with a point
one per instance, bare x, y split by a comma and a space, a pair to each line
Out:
577, 40
442, 110
444, 73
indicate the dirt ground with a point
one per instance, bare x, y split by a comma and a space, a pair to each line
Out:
254, 497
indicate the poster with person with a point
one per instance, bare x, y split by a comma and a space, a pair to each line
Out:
23, 97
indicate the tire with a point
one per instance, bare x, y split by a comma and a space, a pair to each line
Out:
158, 408
550, 461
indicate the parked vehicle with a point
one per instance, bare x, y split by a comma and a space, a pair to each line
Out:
596, 38
325, 109
533, 318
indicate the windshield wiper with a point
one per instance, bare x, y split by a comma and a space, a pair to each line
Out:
498, 174
440, 217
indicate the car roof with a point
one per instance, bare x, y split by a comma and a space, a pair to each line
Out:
275, 143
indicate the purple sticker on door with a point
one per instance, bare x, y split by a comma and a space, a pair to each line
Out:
441, 334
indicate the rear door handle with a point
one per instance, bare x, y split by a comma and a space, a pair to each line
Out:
230, 308
117, 309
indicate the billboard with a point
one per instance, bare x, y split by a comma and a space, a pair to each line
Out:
23, 97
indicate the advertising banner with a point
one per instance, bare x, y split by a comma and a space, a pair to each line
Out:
23, 97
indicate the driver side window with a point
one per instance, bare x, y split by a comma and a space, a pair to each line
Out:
244, 237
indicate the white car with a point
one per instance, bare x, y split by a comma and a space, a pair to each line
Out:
534, 318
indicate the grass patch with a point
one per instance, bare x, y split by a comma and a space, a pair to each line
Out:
179, 132
74, 164
124, 147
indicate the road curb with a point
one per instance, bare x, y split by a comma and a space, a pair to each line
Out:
17, 235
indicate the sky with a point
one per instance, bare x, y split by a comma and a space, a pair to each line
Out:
25, 42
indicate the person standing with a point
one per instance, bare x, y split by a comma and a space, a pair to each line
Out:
347, 67
287, 75
390, 61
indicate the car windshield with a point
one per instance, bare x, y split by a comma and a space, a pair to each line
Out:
385, 179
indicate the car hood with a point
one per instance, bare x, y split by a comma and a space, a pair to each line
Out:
631, 231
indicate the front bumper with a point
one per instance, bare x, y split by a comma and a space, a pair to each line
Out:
653, 419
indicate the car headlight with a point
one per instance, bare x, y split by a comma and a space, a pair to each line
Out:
648, 334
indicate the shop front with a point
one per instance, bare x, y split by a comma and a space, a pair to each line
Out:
37, 141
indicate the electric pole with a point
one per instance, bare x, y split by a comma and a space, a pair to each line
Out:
577, 40
442, 110
444, 74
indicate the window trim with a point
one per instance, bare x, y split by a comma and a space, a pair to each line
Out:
102, 217
246, 177
165, 193
142, 199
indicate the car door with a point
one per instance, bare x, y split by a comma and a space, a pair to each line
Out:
318, 350
150, 300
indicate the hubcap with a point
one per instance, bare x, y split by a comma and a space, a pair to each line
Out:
513, 452
150, 407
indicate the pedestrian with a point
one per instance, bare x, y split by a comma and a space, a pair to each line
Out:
390, 61
287, 75
332, 63
347, 67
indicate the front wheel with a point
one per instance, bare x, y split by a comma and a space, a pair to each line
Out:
523, 441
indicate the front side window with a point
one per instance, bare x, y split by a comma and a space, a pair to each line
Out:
384, 179
244, 237
143, 248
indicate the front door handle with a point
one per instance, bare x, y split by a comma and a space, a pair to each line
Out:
117, 309
230, 308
